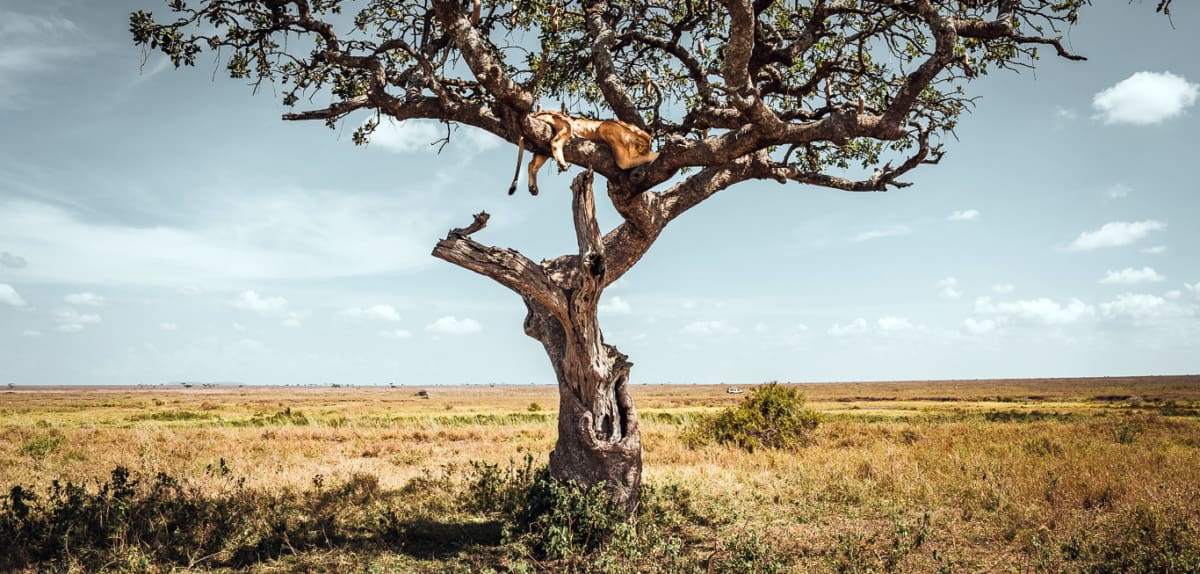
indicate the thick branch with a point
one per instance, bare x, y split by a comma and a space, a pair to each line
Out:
587, 231
945, 38
505, 266
603, 40
483, 64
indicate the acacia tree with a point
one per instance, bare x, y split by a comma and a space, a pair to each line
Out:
842, 94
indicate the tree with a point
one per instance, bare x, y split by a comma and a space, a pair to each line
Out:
843, 94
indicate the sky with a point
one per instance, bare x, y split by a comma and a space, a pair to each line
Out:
159, 226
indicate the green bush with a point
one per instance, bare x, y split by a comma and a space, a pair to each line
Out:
772, 416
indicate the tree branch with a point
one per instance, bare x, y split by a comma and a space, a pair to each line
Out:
603, 40
480, 59
505, 266
587, 232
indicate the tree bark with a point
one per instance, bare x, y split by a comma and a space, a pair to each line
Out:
598, 438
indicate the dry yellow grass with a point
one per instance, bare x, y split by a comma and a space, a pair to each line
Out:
990, 475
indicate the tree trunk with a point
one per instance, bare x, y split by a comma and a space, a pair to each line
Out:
598, 437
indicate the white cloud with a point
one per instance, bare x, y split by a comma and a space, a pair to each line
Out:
294, 318
228, 240
396, 334
1139, 307
981, 327
966, 215
1062, 113
276, 307
1003, 288
882, 232
423, 135
615, 306
238, 327
855, 327
1115, 234
32, 334
948, 288
168, 326
12, 261
1173, 294
1040, 311
9, 296
1193, 288
89, 299
72, 321
1117, 191
454, 326
718, 328
73, 316
252, 301
1155, 249
1131, 276
1145, 98
889, 324
374, 312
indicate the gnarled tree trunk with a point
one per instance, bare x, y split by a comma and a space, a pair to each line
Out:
598, 438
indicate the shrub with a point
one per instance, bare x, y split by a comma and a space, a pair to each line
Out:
772, 416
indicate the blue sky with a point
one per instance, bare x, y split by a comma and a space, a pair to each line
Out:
160, 225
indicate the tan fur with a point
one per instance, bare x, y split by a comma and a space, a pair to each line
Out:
629, 144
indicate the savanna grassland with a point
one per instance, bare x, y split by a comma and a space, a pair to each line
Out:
1057, 475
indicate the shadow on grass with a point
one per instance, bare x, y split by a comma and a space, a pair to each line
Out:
161, 521
424, 538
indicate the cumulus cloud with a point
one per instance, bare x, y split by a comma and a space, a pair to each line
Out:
9, 296
72, 321
965, 215
855, 327
84, 299
1115, 234
252, 301
717, 328
12, 261
948, 288
1141, 308
454, 326
979, 327
423, 135
1039, 311
889, 324
1131, 276
615, 306
374, 312
882, 232
1145, 98
1155, 250
276, 307
1003, 288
